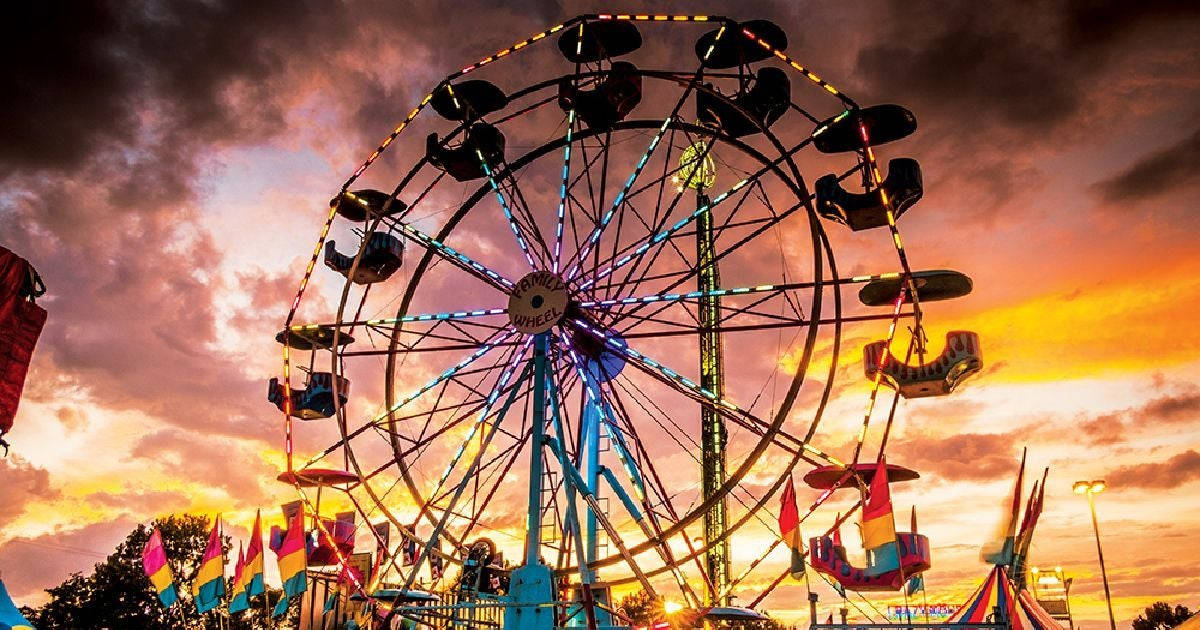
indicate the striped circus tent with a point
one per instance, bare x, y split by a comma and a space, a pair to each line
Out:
1020, 610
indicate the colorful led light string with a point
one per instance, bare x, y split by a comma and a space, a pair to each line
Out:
428, 240
453, 254
637, 171
566, 171
487, 170
438, 380
909, 286
671, 297
288, 441
687, 383
619, 445
649, 242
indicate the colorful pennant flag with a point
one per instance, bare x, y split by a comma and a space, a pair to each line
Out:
915, 584
436, 564
293, 563
789, 529
209, 586
240, 600
879, 526
1000, 549
154, 561
253, 572
408, 550
10, 616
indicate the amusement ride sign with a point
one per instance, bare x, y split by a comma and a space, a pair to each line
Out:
538, 302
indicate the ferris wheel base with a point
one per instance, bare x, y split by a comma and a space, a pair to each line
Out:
531, 597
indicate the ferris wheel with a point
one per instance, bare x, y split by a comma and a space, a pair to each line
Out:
598, 318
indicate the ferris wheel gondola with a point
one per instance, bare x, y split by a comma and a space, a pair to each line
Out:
654, 276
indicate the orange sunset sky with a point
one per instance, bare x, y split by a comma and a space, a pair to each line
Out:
167, 167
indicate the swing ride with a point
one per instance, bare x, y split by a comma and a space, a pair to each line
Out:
601, 289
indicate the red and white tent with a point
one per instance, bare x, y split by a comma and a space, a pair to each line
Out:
997, 593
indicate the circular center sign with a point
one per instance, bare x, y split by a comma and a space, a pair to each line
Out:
538, 302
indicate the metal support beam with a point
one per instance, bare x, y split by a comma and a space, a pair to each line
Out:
712, 424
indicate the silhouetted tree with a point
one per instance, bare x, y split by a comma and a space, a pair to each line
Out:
1160, 616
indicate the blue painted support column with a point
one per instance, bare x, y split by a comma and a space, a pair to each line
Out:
585, 614
531, 585
591, 472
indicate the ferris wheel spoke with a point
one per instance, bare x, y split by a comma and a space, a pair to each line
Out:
653, 528
481, 507
526, 221
491, 344
637, 170
639, 250
694, 391
566, 177
453, 256
487, 438
382, 324
595, 397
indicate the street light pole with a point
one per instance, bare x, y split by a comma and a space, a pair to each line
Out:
1100, 552
1091, 488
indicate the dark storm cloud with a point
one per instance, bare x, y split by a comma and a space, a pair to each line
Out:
993, 82
1156, 174
1024, 66
83, 77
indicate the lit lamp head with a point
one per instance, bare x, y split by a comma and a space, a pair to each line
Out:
671, 607
696, 168
1089, 487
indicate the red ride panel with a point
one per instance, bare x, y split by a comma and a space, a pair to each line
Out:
21, 324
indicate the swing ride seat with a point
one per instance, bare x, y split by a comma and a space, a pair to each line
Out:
960, 359
462, 162
315, 400
380, 259
932, 286
317, 477
469, 100
826, 477
360, 204
884, 123
750, 111
598, 40
830, 559
613, 98
862, 211
311, 337
735, 48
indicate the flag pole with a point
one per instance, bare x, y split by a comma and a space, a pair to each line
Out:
925, 599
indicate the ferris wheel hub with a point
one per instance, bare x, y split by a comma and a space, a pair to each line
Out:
538, 302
